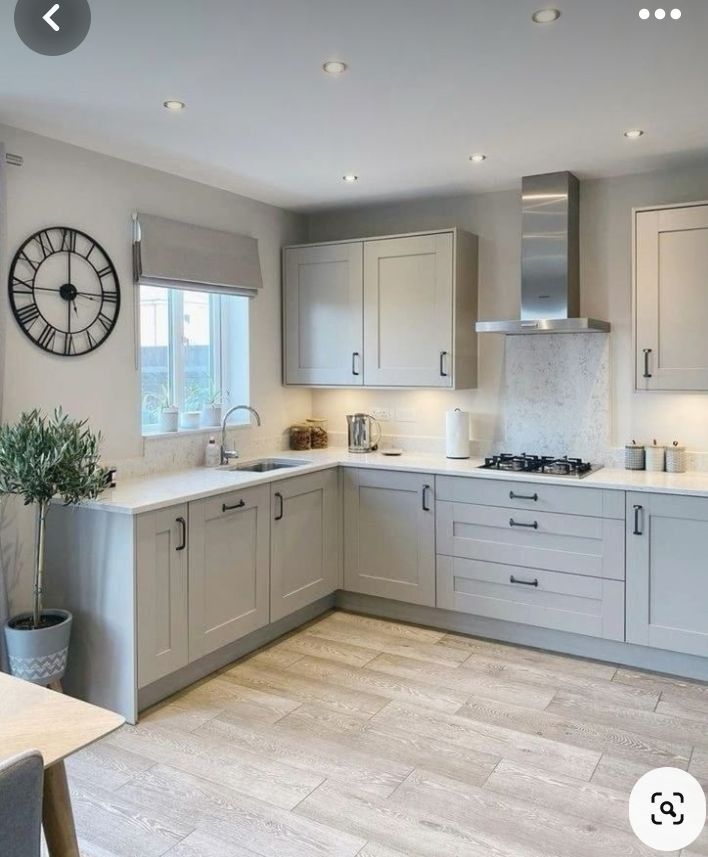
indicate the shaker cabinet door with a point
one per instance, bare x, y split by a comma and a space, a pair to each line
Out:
667, 574
389, 535
305, 555
323, 315
408, 311
229, 557
161, 559
671, 298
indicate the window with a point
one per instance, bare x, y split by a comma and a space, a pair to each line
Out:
194, 350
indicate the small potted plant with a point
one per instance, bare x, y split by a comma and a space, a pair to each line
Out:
158, 405
44, 458
212, 409
193, 398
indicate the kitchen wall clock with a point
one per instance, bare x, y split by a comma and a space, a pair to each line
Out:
64, 291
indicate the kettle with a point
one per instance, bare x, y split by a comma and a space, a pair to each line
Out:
361, 429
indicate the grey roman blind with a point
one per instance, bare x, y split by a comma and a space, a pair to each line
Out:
184, 256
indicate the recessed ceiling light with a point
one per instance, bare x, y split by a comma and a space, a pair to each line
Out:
545, 16
477, 158
350, 178
173, 104
334, 67
660, 14
633, 133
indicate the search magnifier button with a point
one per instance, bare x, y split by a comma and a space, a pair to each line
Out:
667, 808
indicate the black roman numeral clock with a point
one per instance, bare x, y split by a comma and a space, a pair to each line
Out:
64, 291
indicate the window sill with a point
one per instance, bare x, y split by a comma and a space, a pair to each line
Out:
182, 432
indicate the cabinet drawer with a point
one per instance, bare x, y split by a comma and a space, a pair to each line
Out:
547, 599
575, 544
538, 496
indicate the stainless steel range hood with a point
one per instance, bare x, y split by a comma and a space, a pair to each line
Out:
550, 292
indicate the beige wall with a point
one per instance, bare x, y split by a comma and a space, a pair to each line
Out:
62, 184
605, 293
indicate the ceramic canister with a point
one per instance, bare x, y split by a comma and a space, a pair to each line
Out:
675, 458
634, 456
656, 458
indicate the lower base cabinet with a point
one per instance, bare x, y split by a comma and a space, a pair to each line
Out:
536, 554
162, 586
667, 572
389, 538
548, 599
229, 565
305, 562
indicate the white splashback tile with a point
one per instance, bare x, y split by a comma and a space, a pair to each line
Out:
556, 395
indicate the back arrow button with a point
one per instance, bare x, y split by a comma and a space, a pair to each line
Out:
48, 18
52, 27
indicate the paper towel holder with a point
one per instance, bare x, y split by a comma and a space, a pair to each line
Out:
457, 434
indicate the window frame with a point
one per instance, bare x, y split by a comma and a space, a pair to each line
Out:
219, 349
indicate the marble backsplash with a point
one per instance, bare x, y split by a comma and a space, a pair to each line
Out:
183, 450
555, 400
556, 395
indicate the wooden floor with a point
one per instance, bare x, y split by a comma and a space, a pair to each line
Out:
357, 736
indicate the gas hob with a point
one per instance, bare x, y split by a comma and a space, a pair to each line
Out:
543, 465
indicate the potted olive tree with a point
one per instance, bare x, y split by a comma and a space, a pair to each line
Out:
44, 458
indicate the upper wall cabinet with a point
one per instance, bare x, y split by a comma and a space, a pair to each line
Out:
385, 312
671, 298
322, 301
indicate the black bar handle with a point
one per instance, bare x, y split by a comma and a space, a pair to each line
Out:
239, 505
637, 525
183, 527
355, 358
647, 352
426, 488
443, 373
533, 582
513, 523
281, 508
514, 496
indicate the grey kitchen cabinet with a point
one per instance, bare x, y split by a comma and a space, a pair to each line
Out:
322, 306
389, 535
547, 599
162, 593
229, 559
671, 297
532, 553
396, 311
667, 572
305, 562
419, 311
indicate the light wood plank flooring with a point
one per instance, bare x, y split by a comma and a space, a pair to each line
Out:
357, 736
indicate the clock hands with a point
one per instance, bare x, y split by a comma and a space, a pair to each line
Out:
92, 296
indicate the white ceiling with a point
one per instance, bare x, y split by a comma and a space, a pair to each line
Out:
430, 81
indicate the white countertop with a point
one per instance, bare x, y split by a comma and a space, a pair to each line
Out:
147, 493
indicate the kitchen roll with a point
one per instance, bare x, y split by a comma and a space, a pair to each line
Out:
457, 434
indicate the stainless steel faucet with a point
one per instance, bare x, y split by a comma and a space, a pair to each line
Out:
228, 454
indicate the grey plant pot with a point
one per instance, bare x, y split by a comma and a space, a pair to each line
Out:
38, 656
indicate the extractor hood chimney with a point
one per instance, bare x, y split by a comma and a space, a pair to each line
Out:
550, 293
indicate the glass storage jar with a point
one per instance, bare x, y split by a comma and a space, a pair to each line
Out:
318, 432
300, 437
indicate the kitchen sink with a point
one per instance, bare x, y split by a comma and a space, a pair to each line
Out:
265, 465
